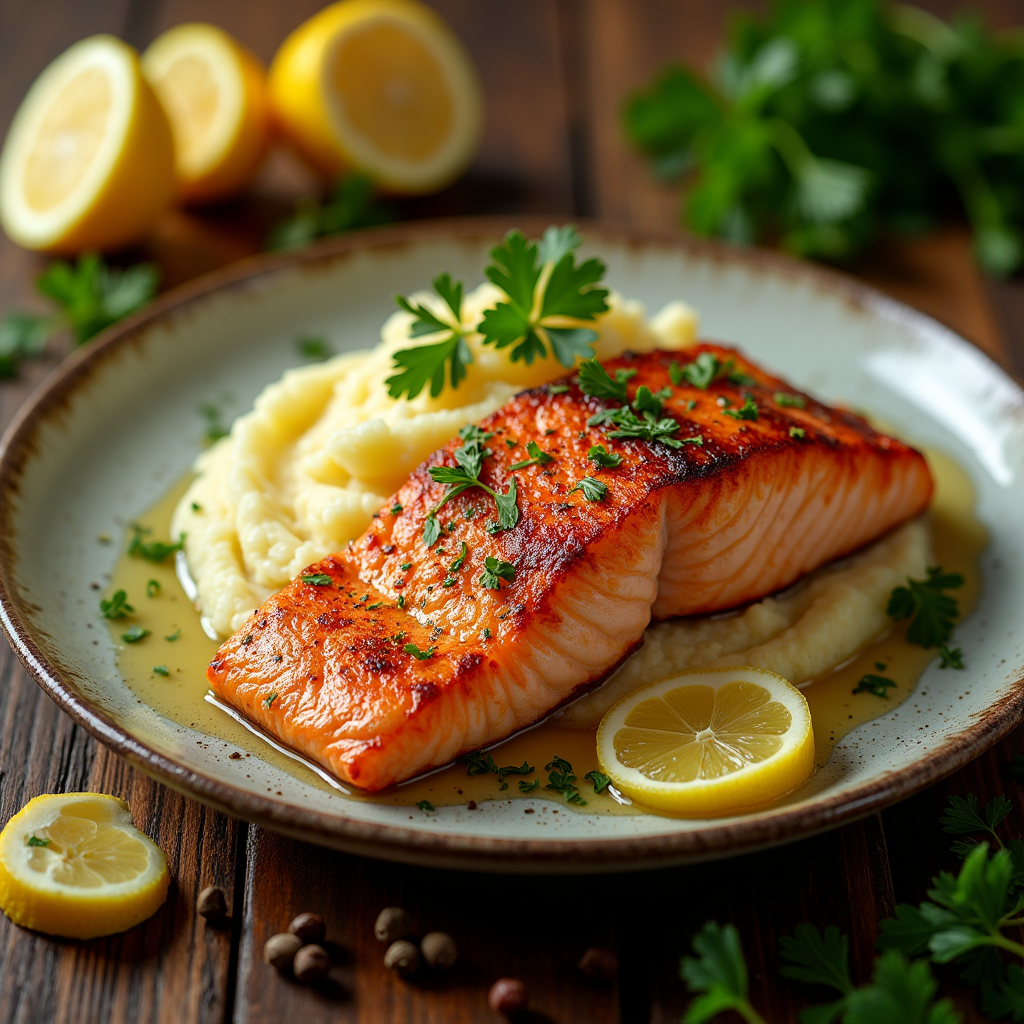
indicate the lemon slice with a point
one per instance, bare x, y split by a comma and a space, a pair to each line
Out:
713, 742
382, 86
89, 160
214, 92
73, 864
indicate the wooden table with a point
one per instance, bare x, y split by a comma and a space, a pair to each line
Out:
555, 73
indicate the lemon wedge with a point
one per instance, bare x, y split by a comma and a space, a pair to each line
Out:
708, 743
214, 92
381, 86
89, 160
73, 864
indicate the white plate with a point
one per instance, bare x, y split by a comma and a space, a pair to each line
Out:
116, 426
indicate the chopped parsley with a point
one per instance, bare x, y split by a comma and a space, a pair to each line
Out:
486, 634
878, 685
418, 654
798, 432
479, 763
134, 634
537, 457
426, 363
557, 389
602, 457
196, 507
526, 787
561, 780
465, 475
496, 570
599, 779
524, 321
215, 427
932, 612
152, 588
176, 635
705, 370
395, 509
152, 551
36, 841
747, 411
117, 606
593, 490
313, 346
459, 559
425, 805
405, 566
317, 579
270, 699
784, 398
161, 670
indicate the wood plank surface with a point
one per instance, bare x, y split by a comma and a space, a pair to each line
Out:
555, 73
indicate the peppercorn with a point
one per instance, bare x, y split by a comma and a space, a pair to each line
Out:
311, 964
309, 927
279, 950
439, 950
392, 924
402, 956
507, 996
600, 964
211, 903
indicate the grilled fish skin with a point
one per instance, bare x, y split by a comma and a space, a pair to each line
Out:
391, 657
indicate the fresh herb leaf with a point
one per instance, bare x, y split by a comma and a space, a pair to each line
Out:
134, 634
951, 657
417, 653
748, 411
963, 815
152, 551
557, 389
24, 336
933, 612
36, 841
431, 529
561, 780
176, 635
878, 685
269, 700
313, 346
459, 559
599, 779
593, 490
537, 457
496, 570
705, 369
426, 363
425, 805
317, 579
602, 457
351, 205
152, 588
798, 432
595, 381
116, 606
719, 973
817, 958
789, 401
161, 670
526, 787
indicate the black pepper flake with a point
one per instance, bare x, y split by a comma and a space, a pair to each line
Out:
247, 639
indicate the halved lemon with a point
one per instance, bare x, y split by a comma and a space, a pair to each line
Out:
73, 864
708, 743
214, 92
89, 160
380, 86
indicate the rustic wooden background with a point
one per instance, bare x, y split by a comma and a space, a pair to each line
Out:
554, 72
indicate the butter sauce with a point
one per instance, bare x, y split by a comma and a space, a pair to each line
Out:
178, 644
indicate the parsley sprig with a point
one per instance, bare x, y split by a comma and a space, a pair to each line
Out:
496, 570
932, 612
562, 780
705, 369
470, 456
426, 363
718, 973
537, 457
543, 286
153, 550
89, 296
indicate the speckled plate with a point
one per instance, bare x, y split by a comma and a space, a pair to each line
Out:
116, 425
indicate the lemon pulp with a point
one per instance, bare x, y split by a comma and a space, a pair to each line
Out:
73, 864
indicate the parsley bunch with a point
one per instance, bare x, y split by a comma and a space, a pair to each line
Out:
351, 205
543, 287
89, 296
827, 120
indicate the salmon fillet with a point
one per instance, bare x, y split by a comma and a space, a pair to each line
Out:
324, 666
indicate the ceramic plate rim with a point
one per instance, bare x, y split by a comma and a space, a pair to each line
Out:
441, 848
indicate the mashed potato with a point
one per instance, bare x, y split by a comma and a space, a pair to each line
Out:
325, 446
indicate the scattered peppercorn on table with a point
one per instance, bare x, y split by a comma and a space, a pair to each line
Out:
260, 927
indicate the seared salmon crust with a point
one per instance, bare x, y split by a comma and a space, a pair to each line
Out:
392, 657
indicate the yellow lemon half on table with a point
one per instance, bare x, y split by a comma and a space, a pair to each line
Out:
73, 864
379, 86
214, 92
89, 160
709, 743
